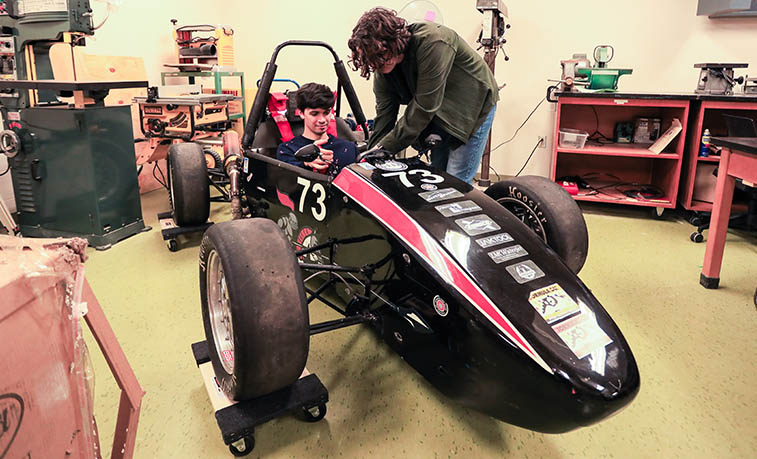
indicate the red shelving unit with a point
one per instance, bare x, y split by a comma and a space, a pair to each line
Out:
609, 167
697, 180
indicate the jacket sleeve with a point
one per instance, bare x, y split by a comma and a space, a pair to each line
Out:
387, 108
285, 153
434, 65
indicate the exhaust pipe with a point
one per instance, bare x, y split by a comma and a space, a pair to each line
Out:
231, 163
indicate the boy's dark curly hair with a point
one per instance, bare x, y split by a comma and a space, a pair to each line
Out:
378, 36
314, 95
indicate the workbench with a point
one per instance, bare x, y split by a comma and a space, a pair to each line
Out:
737, 160
678, 168
606, 165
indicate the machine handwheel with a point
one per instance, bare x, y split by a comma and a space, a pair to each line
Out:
696, 236
242, 447
173, 245
314, 413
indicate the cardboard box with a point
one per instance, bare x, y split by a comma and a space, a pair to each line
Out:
45, 402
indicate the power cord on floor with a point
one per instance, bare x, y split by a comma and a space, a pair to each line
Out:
163, 181
529, 157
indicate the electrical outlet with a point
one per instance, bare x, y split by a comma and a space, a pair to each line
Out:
542, 142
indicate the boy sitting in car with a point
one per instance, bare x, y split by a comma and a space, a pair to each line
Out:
314, 102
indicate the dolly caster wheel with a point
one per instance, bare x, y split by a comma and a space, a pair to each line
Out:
173, 246
696, 236
314, 413
242, 447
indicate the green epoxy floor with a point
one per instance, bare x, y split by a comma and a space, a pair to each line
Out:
696, 351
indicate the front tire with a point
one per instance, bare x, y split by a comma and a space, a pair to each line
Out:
550, 212
188, 184
253, 307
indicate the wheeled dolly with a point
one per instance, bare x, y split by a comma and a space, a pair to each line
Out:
170, 230
237, 420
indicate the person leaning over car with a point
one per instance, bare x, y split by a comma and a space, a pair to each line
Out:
314, 101
447, 87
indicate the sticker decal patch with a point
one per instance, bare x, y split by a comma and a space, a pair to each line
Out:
553, 303
525, 271
458, 208
507, 254
497, 239
477, 224
428, 186
367, 166
392, 166
440, 306
440, 195
582, 335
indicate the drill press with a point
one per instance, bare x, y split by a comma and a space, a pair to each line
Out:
72, 165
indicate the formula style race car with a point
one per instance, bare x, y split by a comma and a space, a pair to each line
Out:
478, 291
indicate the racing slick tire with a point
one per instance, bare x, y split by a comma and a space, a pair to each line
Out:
188, 188
253, 307
550, 212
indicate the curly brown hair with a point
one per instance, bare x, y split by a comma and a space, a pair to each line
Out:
378, 36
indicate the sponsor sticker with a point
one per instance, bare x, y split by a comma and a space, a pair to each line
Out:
477, 224
367, 166
228, 356
525, 271
246, 165
507, 254
497, 239
14, 116
392, 166
553, 303
440, 306
440, 195
582, 335
457, 208
428, 186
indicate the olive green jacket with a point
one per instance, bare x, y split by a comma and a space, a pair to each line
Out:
441, 79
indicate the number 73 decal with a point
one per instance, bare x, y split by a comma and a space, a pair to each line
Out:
426, 176
319, 210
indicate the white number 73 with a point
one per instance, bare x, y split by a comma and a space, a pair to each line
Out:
320, 213
427, 177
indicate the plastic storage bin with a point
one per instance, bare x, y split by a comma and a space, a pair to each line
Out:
572, 138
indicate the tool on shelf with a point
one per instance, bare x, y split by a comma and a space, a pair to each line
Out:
718, 78
203, 47
578, 72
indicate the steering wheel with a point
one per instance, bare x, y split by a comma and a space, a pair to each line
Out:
378, 153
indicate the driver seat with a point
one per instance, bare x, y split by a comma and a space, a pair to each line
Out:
268, 137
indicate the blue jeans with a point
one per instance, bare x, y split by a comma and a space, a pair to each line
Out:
463, 161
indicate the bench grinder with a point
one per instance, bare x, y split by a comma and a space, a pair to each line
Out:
72, 165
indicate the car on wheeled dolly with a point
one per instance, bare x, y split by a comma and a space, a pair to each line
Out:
478, 291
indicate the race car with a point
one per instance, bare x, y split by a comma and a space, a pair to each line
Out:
478, 291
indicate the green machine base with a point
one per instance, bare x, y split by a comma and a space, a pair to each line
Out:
75, 173
98, 241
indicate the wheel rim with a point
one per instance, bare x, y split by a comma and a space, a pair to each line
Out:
524, 214
219, 311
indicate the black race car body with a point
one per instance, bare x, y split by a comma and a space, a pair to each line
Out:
460, 288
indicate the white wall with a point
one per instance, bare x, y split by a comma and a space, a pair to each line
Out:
660, 40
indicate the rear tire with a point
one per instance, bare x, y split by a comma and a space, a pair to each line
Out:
253, 307
550, 212
188, 184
